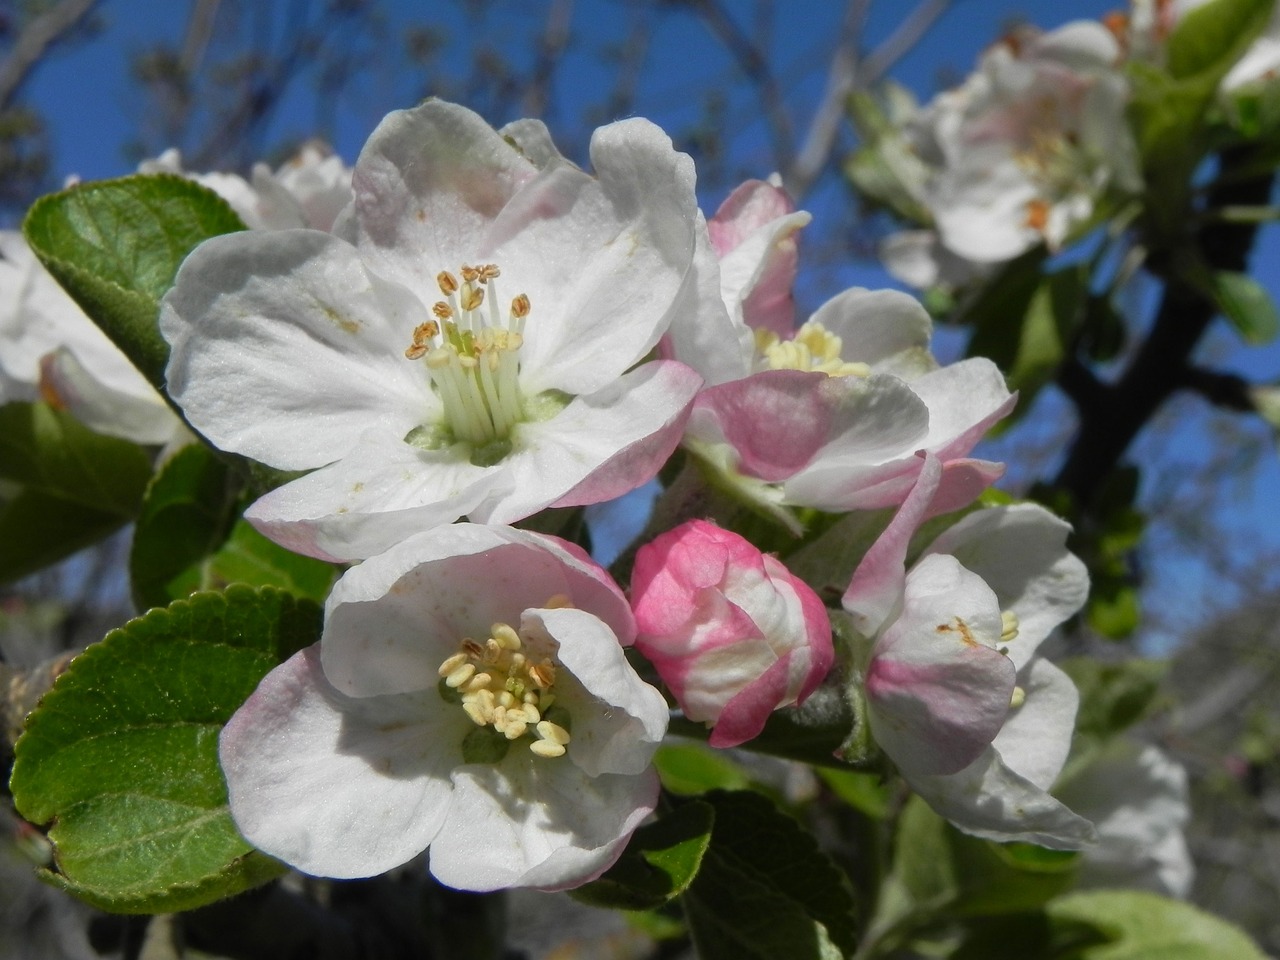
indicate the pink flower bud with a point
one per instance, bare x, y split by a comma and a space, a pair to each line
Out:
731, 631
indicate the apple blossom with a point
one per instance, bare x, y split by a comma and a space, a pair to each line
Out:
474, 351
733, 634
978, 725
469, 694
1136, 795
1021, 153
1149, 23
50, 350
829, 415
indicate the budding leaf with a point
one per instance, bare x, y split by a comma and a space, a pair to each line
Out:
115, 246
659, 863
121, 757
1247, 305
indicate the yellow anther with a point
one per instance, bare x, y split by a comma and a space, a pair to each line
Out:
448, 283
488, 272
442, 310
1018, 699
506, 637
543, 674
515, 729
505, 699
552, 731
520, 307
452, 663
459, 676
547, 748
558, 601
479, 682
1008, 626
416, 352
470, 274
477, 713
531, 714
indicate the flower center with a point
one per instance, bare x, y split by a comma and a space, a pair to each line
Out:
507, 693
473, 356
813, 349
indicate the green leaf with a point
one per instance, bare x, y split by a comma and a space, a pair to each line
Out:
867, 793
1247, 305
115, 246
1208, 40
1113, 609
765, 890
121, 757
1113, 697
189, 538
185, 516
73, 486
659, 863
1144, 926
687, 769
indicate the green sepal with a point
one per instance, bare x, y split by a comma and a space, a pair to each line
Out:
115, 246
660, 861
121, 756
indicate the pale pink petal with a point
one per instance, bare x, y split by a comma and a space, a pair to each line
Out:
746, 713
752, 205
336, 786
937, 689
393, 619
876, 588
140, 414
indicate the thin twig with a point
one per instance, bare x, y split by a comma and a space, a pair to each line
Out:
35, 40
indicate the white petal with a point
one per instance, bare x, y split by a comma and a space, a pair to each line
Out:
618, 719
392, 620
599, 447
336, 786
380, 492
530, 822
286, 348
1036, 738
1021, 552
884, 328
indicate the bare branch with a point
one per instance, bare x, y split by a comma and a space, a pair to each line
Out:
551, 46
908, 33
841, 76
32, 44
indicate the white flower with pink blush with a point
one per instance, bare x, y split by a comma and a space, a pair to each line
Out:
469, 694
476, 350
733, 633
831, 414
977, 724
1021, 153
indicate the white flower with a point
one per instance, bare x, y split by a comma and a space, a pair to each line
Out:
978, 725
1022, 152
1136, 795
50, 350
473, 352
470, 694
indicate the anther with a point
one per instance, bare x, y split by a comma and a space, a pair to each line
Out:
452, 663
448, 283
520, 307
547, 749
460, 675
1018, 699
442, 310
552, 731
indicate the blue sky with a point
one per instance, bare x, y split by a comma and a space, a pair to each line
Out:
92, 106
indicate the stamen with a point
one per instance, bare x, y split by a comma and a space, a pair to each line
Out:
1009, 626
1018, 699
448, 283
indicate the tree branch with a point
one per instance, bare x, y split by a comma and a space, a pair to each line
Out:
34, 41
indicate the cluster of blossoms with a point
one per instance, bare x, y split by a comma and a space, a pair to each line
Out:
469, 330
1024, 152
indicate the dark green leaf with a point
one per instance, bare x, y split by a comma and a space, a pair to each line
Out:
659, 863
72, 487
188, 539
765, 890
185, 516
1247, 305
115, 246
867, 793
1144, 926
121, 757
